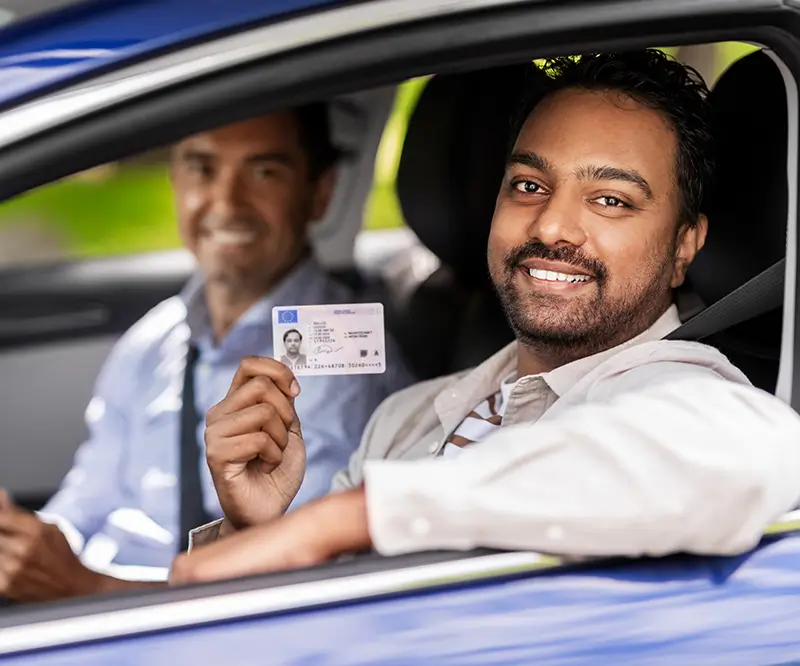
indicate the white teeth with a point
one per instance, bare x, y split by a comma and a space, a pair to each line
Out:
229, 237
552, 276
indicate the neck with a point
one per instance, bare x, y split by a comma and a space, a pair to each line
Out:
226, 303
228, 300
537, 359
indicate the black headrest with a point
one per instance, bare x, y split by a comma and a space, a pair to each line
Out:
748, 205
453, 162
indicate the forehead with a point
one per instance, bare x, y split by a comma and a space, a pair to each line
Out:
292, 335
576, 127
275, 133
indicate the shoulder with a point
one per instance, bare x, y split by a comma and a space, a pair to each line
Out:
657, 360
150, 331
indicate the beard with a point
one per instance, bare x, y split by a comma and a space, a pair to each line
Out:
570, 327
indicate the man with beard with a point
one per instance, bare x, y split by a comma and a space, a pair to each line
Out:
246, 195
591, 434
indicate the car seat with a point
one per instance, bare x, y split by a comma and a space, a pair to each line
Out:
450, 171
747, 207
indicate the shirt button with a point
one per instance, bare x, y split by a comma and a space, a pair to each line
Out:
420, 527
555, 533
453, 394
433, 447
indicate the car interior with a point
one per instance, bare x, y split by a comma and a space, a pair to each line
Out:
451, 164
69, 314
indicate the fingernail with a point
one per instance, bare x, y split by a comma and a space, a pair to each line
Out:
294, 388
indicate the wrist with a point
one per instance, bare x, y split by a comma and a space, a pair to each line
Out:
226, 528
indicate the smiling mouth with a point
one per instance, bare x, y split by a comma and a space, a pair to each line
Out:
556, 277
231, 237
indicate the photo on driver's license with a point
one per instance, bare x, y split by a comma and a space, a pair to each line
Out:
330, 339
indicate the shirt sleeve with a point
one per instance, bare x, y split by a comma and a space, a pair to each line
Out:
94, 486
674, 459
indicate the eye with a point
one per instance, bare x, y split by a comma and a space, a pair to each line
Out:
200, 169
612, 202
527, 186
264, 172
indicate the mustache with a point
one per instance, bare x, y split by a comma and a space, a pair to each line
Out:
212, 221
568, 254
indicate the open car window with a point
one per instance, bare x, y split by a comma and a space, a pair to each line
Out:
104, 130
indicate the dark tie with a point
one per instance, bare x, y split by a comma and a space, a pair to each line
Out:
192, 512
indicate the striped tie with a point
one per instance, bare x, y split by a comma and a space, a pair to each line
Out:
479, 423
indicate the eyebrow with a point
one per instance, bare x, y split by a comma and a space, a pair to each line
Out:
279, 157
529, 159
593, 172
194, 155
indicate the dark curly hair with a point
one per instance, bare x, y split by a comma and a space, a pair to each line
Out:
657, 81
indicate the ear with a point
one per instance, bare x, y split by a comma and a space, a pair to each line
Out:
323, 192
690, 241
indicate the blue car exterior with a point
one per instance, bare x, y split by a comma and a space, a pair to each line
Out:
57, 49
677, 610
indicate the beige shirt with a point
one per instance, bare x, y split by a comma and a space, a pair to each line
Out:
654, 446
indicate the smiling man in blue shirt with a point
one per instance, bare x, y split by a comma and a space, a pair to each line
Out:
246, 195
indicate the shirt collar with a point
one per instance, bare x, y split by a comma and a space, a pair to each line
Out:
477, 385
258, 314
563, 378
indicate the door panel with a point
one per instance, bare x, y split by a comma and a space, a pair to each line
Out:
57, 325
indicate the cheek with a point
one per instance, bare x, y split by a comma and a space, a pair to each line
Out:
192, 202
508, 231
632, 258
190, 208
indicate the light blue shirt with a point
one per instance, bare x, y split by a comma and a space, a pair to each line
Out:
119, 504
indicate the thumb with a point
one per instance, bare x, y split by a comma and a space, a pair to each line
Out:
5, 500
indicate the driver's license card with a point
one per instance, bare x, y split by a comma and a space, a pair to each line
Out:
330, 339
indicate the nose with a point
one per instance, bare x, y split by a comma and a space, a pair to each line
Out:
559, 220
226, 195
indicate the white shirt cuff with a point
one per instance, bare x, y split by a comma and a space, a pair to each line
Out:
204, 534
417, 505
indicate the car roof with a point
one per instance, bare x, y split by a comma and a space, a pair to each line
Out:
48, 44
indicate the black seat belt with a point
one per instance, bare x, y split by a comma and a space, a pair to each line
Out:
757, 296
192, 511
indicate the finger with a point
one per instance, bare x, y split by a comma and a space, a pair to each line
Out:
255, 366
261, 417
5, 500
15, 521
13, 546
244, 448
256, 391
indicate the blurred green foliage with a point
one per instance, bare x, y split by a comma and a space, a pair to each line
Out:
128, 208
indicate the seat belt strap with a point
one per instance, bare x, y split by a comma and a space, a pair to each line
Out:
759, 295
